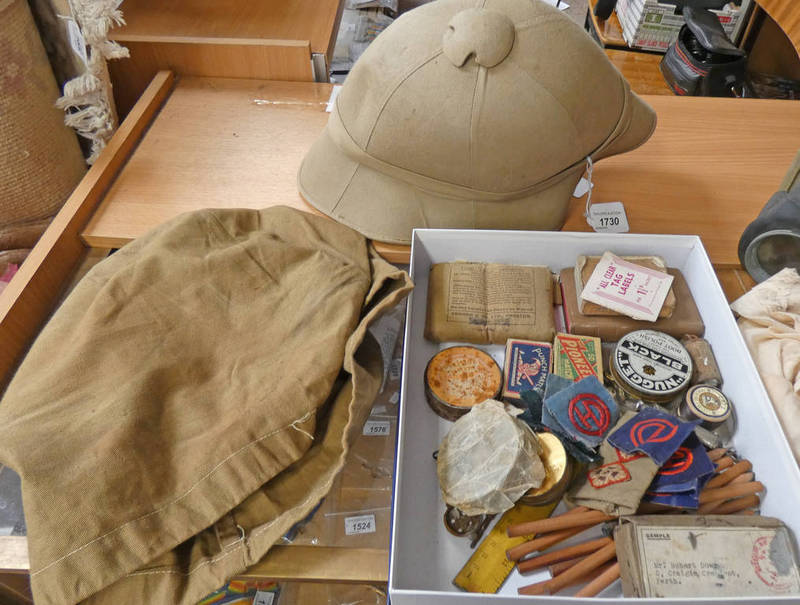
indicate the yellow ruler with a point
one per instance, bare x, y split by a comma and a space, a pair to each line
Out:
488, 567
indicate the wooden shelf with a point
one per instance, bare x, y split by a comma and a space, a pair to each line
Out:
707, 170
274, 40
640, 70
217, 143
313, 21
609, 31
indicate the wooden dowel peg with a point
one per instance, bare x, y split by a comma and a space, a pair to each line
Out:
730, 491
601, 582
729, 475
562, 554
562, 566
579, 570
556, 523
738, 504
544, 542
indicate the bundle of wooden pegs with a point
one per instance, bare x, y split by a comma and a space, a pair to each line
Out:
732, 490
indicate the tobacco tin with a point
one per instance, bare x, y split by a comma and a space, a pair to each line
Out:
458, 378
651, 365
705, 403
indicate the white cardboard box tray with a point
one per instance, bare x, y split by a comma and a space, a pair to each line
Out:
424, 556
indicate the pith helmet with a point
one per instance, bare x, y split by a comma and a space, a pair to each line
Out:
470, 114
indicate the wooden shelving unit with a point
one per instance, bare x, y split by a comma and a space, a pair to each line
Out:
289, 40
608, 32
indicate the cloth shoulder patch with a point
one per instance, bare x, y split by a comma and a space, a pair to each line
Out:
608, 474
585, 411
680, 480
556, 383
652, 432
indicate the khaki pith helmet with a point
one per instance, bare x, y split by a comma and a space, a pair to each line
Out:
470, 114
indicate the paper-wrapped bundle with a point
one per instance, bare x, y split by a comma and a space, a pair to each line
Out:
488, 460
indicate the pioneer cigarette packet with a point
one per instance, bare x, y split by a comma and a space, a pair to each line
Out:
576, 357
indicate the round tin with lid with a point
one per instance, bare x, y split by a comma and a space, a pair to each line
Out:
557, 468
459, 524
707, 404
651, 366
458, 378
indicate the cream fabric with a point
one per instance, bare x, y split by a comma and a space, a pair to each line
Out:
770, 323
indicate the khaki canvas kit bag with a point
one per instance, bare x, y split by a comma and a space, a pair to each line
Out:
193, 398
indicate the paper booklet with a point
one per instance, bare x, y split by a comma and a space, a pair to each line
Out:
585, 266
485, 303
633, 290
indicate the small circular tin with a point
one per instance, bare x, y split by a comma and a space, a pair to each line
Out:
651, 366
557, 468
458, 378
707, 404
459, 524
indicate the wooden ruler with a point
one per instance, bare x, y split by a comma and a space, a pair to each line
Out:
488, 567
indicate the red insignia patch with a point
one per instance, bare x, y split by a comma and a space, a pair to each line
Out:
680, 461
589, 414
653, 430
608, 474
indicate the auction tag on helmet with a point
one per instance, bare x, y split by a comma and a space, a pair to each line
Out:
609, 217
363, 524
582, 188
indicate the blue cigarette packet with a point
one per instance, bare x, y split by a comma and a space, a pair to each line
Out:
526, 367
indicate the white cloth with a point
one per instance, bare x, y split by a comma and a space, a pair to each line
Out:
769, 319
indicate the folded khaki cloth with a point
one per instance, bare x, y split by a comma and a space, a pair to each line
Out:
193, 398
769, 319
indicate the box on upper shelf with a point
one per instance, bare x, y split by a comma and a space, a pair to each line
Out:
424, 557
653, 25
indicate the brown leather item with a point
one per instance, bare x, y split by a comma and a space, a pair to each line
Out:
685, 319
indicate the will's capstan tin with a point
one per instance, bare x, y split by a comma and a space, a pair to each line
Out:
651, 366
707, 404
458, 378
